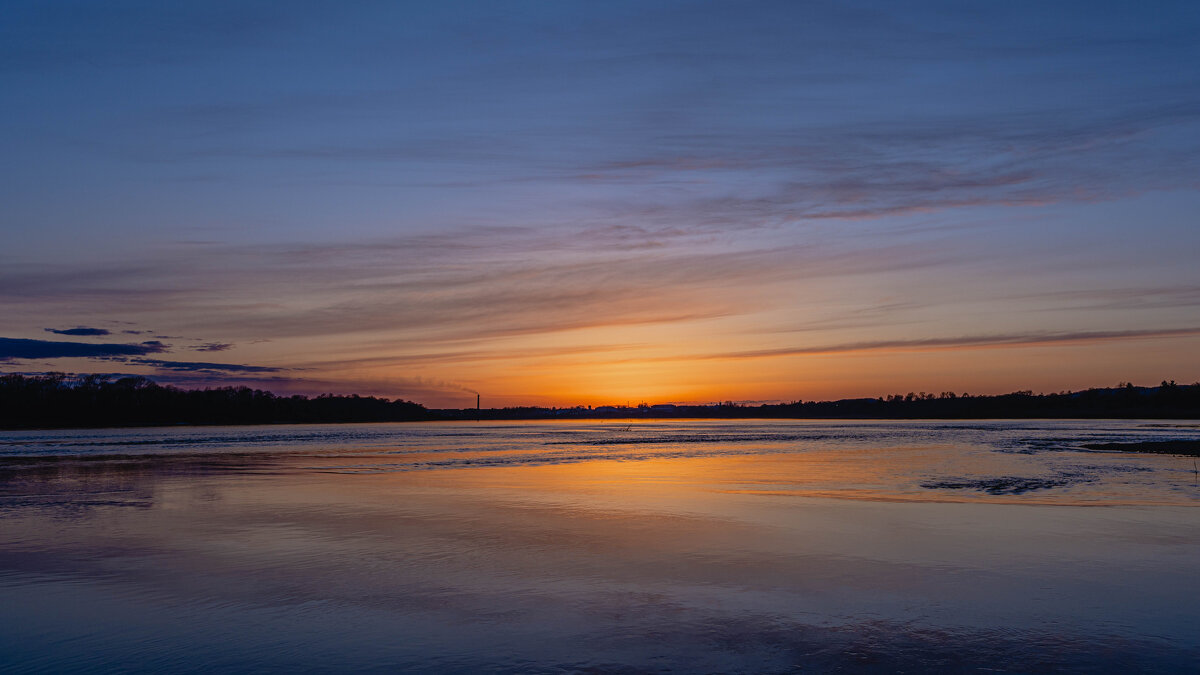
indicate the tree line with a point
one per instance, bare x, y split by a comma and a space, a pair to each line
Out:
1166, 401
57, 400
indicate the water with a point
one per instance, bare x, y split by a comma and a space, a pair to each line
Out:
600, 546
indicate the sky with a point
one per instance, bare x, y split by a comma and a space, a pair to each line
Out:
589, 203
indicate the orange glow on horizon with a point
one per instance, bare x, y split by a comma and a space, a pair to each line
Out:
622, 379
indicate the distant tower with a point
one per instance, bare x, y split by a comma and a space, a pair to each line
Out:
477, 407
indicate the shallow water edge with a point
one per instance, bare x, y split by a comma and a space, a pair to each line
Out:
688, 547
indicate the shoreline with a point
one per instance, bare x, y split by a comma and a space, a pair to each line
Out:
1189, 422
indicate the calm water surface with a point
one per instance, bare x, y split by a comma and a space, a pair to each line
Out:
600, 546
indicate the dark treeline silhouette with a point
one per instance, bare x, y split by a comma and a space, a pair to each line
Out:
59, 401
1166, 401
56, 400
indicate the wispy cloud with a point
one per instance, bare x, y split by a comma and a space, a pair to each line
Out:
517, 285
450, 187
961, 342
470, 356
213, 347
760, 112
1120, 299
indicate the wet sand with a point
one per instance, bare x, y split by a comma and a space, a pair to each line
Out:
1189, 448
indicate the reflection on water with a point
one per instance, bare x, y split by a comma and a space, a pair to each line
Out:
690, 546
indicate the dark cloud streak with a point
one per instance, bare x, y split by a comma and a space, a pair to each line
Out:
81, 331
196, 366
16, 348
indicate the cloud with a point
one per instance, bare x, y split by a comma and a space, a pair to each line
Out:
926, 107
1120, 299
962, 342
429, 385
670, 163
196, 366
475, 284
213, 347
81, 331
200, 379
872, 169
413, 388
15, 348
466, 356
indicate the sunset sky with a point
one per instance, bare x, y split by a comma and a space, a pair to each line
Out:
560, 203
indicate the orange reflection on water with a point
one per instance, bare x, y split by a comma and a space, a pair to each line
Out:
910, 474
527, 551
